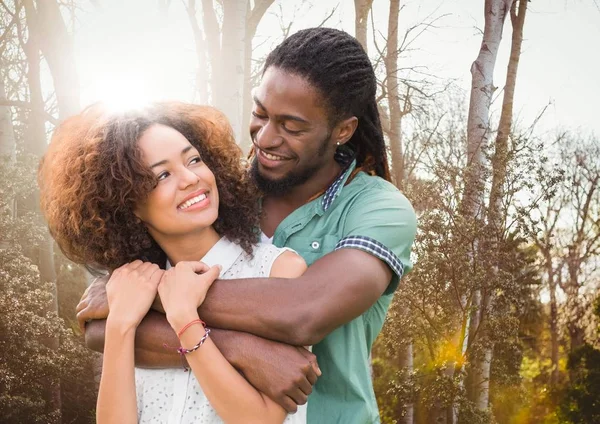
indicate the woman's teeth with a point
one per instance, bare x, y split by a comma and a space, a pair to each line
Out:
193, 200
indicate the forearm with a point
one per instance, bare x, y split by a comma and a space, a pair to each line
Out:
116, 396
232, 304
151, 335
234, 399
154, 331
303, 310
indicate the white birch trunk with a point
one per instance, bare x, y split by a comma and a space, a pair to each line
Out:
478, 131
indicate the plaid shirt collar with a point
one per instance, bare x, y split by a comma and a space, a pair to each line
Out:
346, 158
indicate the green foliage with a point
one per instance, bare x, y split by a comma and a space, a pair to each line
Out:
581, 403
458, 256
44, 365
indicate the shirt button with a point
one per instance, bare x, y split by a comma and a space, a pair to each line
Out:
315, 245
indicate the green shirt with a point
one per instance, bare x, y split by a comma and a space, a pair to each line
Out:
369, 214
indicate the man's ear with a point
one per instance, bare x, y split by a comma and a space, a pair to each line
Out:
344, 130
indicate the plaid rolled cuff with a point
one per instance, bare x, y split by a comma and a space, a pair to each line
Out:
375, 248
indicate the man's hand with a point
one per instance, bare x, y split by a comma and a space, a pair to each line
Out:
284, 373
93, 303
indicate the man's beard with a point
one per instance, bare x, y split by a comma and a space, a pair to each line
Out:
283, 185
295, 178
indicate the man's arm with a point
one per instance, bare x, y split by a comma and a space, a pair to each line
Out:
369, 260
334, 290
276, 369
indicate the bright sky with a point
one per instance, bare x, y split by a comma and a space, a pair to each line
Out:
128, 53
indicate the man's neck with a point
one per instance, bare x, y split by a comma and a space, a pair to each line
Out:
277, 208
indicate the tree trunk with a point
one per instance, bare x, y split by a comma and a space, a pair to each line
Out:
35, 143
361, 15
201, 55
226, 49
405, 361
232, 51
8, 150
212, 34
57, 46
405, 354
8, 145
35, 134
496, 215
393, 97
472, 205
553, 320
499, 161
574, 325
48, 34
253, 18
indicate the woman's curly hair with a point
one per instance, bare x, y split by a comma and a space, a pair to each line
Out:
93, 176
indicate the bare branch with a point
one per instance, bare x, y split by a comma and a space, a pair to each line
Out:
27, 105
328, 16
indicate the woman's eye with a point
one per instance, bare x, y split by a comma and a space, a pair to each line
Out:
195, 160
162, 176
257, 115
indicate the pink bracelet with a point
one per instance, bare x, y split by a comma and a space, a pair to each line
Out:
189, 324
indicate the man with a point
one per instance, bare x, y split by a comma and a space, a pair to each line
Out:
320, 159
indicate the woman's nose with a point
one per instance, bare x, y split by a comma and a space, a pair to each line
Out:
188, 178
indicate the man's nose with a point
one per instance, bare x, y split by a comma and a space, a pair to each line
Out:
267, 136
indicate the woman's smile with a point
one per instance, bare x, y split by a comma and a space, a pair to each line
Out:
197, 200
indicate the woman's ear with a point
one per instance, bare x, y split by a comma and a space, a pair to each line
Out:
344, 130
138, 215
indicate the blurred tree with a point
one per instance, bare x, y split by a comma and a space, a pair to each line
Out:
39, 348
562, 217
30, 366
228, 47
581, 403
362, 8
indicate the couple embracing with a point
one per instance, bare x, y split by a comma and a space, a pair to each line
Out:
237, 271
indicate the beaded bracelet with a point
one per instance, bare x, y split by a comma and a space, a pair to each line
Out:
183, 351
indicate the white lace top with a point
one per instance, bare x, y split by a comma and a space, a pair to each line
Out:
174, 396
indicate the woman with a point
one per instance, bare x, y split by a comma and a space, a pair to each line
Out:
165, 185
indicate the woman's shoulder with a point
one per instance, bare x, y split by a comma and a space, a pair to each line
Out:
269, 260
288, 264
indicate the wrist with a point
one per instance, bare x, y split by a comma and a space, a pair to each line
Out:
238, 348
120, 326
180, 320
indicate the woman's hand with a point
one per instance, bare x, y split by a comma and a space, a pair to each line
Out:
130, 292
183, 289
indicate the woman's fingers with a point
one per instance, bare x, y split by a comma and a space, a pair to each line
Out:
212, 273
196, 266
135, 264
156, 275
